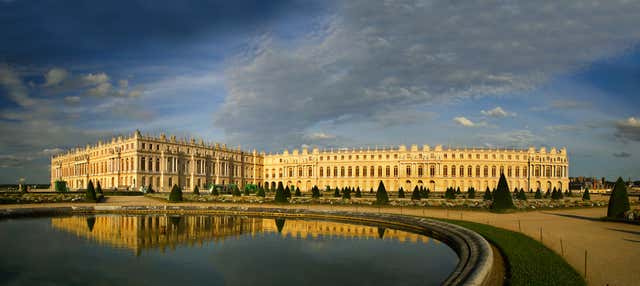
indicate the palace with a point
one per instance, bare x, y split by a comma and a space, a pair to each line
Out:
142, 160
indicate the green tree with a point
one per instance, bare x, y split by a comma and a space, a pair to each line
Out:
501, 197
315, 192
450, 193
235, 191
358, 193
401, 193
554, 194
176, 194
91, 193
547, 194
260, 192
196, 190
280, 195
336, 193
619, 200
149, 189
371, 190
458, 191
99, 189
538, 194
60, 186
487, 195
287, 192
297, 193
522, 196
416, 194
382, 198
214, 190
585, 195
471, 193
346, 193
424, 193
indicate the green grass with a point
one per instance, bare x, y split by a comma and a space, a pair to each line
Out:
529, 262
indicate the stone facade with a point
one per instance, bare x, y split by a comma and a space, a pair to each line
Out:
162, 162
434, 168
142, 160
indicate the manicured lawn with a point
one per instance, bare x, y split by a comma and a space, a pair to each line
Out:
530, 262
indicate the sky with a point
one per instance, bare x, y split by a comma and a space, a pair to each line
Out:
272, 75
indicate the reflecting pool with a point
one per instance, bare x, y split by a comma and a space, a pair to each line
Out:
215, 250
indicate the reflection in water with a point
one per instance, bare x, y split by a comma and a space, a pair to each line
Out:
138, 233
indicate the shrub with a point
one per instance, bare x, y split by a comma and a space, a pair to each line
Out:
235, 191
547, 194
450, 193
287, 192
371, 190
358, 193
522, 196
501, 197
487, 195
176, 194
214, 190
280, 195
401, 193
382, 198
471, 193
315, 192
538, 194
424, 193
91, 193
149, 189
298, 194
346, 193
458, 191
196, 190
336, 193
554, 194
619, 200
99, 189
260, 192
585, 195
60, 186
416, 194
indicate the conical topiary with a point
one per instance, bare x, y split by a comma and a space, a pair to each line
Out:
401, 193
358, 193
336, 193
346, 193
297, 193
487, 195
176, 194
280, 196
315, 192
619, 200
502, 199
538, 194
91, 193
287, 192
196, 190
149, 189
471, 193
260, 192
585, 195
382, 198
99, 189
416, 194
522, 196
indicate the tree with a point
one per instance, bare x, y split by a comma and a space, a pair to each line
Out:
487, 195
401, 193
547, 194
585, 195
371, 190
235, 191
315, 192
336, 193
619, 200
149, 189
501, 197
280, 195
60, 186
554, 194
415, 196
214, 190
358, 193
471, 193
91, 193
346, 193
99, 189
450, 193
260, 192
424, 193
287, 192
298, 194
382, 198
538, 194
522, 196
458, 191
246, 190
176, 194
196, 191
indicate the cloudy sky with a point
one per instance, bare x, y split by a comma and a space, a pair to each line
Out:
283, 74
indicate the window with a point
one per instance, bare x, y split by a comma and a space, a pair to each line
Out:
501, 170
321, 171
517, 171
341, 171
461, 171
335, 171
157, 164
142, 163
453, 171
470, 171
493, 171
486, 171
432, 170
388, 171
395, 171
299, 171
372, 170
150, 164
509, 171
143, 145
420, 172
477, 171
350, 174
310, 172
408, 170
379, 171
357, 171
445, 171
364, 171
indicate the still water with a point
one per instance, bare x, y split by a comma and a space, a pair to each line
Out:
215, 250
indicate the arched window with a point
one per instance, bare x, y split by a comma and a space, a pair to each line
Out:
517, 171
420, 171
364, 171
509, 171
310, 172
388, 171
409, 171
372, 171
486, 171
395, 171
477, 171
493, 171
379, 171
445, 171
142, 163
349, 171
470, 171
432, 170
157, 164
453, 171
290, 172
341, 171
524, 171
461, 171
357, 171
299, 171
335, 171
321, 172
501, 170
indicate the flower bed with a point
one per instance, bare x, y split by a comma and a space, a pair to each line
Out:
36, 198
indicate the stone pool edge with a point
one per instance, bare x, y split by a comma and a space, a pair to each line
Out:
474, 252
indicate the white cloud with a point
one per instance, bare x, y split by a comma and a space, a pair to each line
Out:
463, 121
16, 90
628, 129
55, 76
320, 136
72, 99
95, 79
375, 54
497, 112
52, 151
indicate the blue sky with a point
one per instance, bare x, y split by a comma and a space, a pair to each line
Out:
284, 74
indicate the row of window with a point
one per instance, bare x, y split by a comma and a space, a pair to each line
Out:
432, 156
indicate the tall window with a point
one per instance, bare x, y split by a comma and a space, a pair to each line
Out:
335, 171
310, 171
395, 171
380, 170
493, 171
509, 171
350, 172
357, 171
420, 171
432, 170
470, 171
445, 171
142, 163
299, 171
461, 171
486, 171
364, 171
388, 171
341, 171
157, 164
408, 170
150, 164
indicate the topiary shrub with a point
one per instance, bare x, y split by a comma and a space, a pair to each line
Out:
554, 194
346, 193
90, 194
287, 192
297, 193
358, 193
60, 186
176, 194
415, 196
450, 193
235, 191
150, 189
424, 193
471, 193
458, 191
99, 189
538, 194
260, 192
521, 195
619, 200
382, 198
487, 195
502, 199
315, 192
336, 193
585, 195
196, 190
547, 194
401, 193
280, 195
371, 190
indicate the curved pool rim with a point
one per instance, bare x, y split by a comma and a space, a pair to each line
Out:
474, 252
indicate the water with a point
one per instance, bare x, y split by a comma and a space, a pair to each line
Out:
215, 250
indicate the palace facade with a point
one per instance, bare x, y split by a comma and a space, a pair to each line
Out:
143, 160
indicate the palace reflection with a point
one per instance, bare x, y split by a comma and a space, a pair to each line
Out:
163, 232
